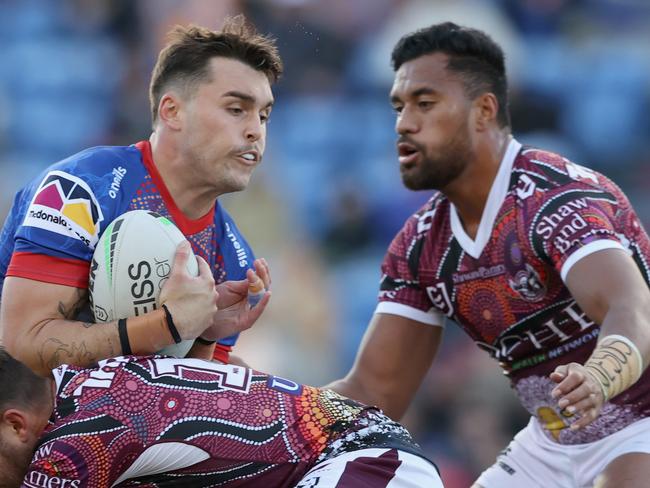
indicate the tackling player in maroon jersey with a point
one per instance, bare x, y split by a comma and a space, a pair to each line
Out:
543, 262
161, 421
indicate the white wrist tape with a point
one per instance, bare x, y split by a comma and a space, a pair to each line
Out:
616, 364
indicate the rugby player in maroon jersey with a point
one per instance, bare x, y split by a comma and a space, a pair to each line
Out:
160, 421
543, 262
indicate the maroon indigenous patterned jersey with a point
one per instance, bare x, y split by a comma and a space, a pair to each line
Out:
158, 421
506, 287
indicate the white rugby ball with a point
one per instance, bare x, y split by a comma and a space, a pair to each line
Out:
130, 265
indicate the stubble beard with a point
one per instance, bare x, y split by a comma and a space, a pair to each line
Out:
437, 172
13, 465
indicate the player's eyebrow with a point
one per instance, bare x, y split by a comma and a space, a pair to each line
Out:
245, 97
425, 90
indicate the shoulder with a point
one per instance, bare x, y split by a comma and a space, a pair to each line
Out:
433, 213
544, 181
92, 169
549, 171
96, 160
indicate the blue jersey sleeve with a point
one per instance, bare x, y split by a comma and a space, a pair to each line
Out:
238, 256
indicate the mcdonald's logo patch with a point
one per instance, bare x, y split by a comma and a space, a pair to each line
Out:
66, 205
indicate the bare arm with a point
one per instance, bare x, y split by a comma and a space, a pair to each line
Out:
610, 289
37, 326
394, 356
36, 319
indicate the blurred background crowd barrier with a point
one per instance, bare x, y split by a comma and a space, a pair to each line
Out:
328, 198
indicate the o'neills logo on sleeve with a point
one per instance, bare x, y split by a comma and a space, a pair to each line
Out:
41, 480
65, 204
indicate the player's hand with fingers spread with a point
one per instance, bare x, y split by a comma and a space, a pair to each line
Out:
191, 300
235, 313
578, 392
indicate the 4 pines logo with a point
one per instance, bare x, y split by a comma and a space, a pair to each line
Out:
66, 205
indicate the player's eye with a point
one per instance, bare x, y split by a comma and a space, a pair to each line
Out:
264, 118
236, 110
425, 104
398, 109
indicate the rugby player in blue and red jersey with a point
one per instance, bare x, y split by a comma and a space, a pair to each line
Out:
210, 98
543, 262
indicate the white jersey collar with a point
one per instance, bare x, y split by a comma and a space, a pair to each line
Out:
495, 199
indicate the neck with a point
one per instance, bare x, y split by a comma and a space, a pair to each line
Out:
470, 191
52, 390
192, 197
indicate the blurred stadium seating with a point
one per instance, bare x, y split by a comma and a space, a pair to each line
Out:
328, 197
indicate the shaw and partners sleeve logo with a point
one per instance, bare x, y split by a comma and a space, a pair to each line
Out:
66, 205
40, 480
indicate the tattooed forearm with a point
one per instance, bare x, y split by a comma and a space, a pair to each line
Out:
70, 311
54, 352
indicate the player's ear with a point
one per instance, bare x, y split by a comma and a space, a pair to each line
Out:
169, 110
14, 425
485, 109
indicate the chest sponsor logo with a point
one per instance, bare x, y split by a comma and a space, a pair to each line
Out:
66, 205
40, 480
527, 284
562, 327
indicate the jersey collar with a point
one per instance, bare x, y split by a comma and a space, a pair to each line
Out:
186, 225
474, 247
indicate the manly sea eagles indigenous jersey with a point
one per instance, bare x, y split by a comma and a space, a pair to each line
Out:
158, 421
56, 221
506, 287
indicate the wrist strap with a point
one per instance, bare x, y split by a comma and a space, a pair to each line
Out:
172, 326
124, 337
203, 341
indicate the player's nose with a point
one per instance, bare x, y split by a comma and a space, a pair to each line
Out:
406, 123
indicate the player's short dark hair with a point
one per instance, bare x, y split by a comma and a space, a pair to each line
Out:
472, 54
185, 58
20, 387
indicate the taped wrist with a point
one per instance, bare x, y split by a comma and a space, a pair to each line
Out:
616, 364
147, 333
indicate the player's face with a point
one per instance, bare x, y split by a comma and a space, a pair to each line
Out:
16, 450
224, 125
434, 143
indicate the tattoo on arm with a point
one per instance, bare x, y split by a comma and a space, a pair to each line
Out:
54, 352
70, 311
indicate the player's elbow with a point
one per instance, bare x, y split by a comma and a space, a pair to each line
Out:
21, 344
374, 391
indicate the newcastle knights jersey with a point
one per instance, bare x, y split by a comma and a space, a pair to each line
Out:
56, 221
157, 421
506, 287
